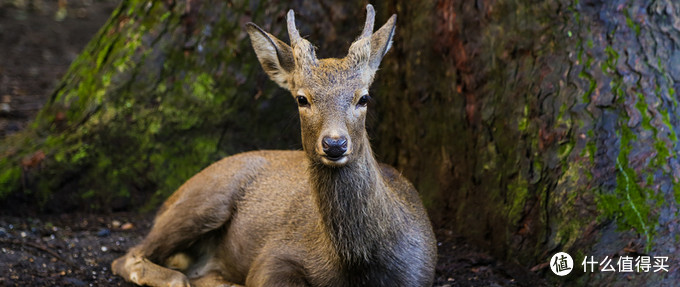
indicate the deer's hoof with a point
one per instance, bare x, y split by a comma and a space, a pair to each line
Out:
178, 280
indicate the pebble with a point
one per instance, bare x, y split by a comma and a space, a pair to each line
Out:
3, 232
23, 234
104, 249
127, 226
104, 232
115, 224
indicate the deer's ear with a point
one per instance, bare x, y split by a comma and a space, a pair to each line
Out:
381, 41
275, 56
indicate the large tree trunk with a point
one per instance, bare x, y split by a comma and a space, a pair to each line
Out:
528, 127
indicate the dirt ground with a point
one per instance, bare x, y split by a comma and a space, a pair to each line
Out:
37, 43
77, 249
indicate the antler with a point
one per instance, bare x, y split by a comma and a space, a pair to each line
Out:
293, 33
370, 20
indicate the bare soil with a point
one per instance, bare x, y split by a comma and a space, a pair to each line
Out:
38, 41
75, 249
37, 44
67, 249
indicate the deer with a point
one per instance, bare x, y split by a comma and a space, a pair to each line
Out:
329, 215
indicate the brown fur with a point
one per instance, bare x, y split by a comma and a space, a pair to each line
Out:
291, 218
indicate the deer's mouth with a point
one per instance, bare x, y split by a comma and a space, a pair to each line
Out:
335, 161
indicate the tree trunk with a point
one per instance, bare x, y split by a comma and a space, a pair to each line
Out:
529, 127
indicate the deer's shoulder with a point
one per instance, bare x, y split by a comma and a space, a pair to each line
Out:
397, 182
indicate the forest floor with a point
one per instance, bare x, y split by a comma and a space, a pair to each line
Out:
37, 44
76, 249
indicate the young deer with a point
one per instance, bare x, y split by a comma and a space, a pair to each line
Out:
330, 215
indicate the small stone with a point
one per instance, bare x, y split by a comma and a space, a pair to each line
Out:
61, 14
127, 226
104, 249
104, 232
23, 234
4, 104
115, 224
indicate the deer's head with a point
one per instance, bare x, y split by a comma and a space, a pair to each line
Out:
331, 94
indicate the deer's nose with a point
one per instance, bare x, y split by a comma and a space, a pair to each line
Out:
334, 147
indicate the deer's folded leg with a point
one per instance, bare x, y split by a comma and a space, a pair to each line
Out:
212, 279
136, 269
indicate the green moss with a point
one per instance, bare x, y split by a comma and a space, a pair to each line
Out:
671, 91
569, 228
565, 150
79, 154
592, 84
641, 106
10, 177
592, 149
518, 190
676, 190
143, 112
524, 120
630, 203
667, 121
631, 24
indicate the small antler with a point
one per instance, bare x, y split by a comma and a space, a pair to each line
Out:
370, 20
293, 33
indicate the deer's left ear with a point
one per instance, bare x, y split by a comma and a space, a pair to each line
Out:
381, 41
275, 56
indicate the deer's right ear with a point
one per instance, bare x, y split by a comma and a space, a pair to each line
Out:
275, 56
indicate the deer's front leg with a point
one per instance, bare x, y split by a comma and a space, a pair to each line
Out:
139, 270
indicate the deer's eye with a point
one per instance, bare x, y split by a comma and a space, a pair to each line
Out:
363, 101
302, 101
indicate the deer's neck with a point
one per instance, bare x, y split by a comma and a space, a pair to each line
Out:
354, 203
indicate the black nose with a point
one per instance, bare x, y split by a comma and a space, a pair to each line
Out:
334, 147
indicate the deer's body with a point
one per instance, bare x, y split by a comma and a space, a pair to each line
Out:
326, 216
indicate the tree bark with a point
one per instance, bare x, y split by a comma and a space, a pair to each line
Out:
533, 127
529, 127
